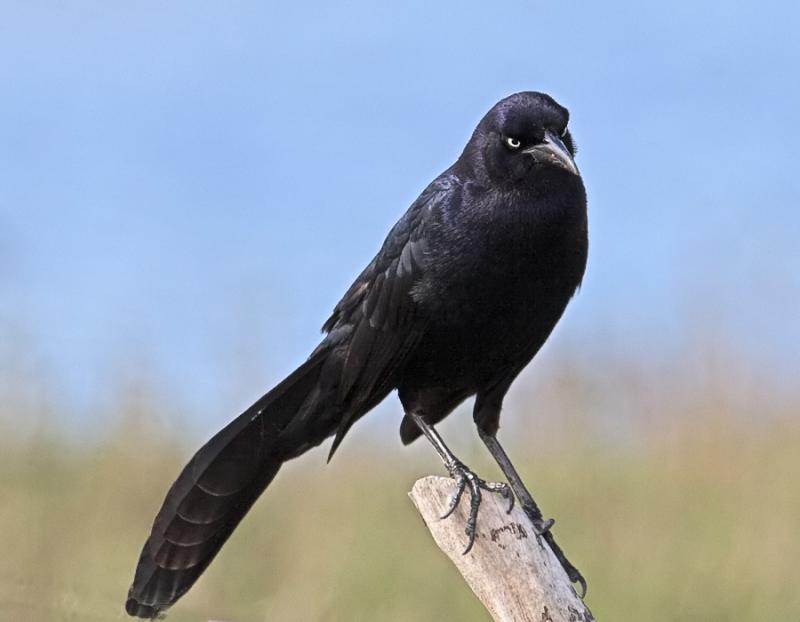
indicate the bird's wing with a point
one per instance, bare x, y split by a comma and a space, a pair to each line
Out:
378, 322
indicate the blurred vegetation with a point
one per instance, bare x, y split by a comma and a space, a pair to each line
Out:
676, 493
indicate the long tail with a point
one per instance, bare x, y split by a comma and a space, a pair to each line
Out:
223, 480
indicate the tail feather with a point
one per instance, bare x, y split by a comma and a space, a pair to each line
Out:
217, 488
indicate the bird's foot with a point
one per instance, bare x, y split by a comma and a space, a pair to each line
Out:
466, 478
542, 527
573, 573
540, 524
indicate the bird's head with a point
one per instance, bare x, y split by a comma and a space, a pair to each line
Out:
522, 134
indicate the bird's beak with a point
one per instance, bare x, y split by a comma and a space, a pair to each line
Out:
553, 151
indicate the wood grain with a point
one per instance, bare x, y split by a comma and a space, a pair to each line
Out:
511, 570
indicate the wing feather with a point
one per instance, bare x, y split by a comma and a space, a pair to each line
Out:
384, 320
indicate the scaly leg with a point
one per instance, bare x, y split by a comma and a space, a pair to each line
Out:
531, 509
464, 477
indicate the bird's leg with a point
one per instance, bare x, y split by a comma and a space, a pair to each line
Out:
464, 477
525, 498
530, 507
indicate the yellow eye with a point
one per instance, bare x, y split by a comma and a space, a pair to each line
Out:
514, 143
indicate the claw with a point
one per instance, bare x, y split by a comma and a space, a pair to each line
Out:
474, 505
544, 527
455, 500
574, 576
540, 525
503, 489
465, 477
582, 582
573, 573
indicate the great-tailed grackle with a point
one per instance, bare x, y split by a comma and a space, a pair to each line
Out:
464, 291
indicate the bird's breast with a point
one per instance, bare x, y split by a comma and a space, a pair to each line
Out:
519, 254
494, 293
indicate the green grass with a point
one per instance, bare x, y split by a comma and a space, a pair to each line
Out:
700, 521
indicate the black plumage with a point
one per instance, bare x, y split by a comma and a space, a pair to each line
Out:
464, 291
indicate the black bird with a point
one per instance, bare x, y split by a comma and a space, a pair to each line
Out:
464, 291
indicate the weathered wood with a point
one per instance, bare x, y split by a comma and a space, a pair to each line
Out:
511, 570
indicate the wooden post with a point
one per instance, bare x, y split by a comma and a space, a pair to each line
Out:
511, 570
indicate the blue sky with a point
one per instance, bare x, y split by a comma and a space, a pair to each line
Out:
190, 186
